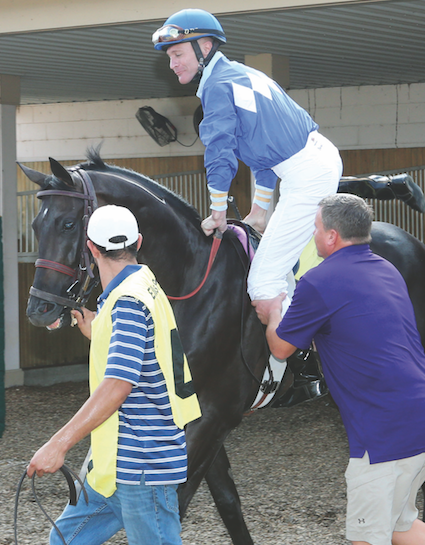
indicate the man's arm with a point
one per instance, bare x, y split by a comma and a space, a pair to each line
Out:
106, 399
257, 218
218, 134
269, 312
278, 347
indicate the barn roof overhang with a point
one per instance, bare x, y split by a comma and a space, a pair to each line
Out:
347, 44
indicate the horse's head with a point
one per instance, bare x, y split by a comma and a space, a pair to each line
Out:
174, 246
60, 231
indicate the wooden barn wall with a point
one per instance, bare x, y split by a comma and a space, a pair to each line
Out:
358, 162
38, 346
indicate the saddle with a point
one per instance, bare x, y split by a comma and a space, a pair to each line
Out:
247, 236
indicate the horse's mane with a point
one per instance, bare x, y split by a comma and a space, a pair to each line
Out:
96, 163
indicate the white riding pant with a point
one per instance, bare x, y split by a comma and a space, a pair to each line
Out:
306, 178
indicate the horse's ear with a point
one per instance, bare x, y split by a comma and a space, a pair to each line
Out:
60, 172
35, 176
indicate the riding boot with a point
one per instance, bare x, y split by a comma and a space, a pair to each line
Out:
384, 188
405, 189
309, 382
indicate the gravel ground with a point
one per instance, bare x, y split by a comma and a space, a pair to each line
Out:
288, 466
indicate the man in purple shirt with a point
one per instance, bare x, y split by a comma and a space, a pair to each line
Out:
356, 307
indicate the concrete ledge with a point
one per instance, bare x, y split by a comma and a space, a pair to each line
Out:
47, 376
13, 377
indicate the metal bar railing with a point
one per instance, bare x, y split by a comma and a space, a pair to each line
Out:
192, 186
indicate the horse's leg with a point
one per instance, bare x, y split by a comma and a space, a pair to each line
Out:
224, 493
205, 438
202, 447
226, 497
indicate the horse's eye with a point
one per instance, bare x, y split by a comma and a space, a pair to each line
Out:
67, 226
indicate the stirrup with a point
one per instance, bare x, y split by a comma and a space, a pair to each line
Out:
308, 392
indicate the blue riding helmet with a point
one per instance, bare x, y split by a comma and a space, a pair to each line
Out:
188, 25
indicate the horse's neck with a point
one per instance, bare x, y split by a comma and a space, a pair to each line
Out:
172, 246
173, 252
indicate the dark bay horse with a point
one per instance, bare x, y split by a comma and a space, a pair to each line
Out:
223, 339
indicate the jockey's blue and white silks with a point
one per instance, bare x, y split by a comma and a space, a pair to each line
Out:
247, 116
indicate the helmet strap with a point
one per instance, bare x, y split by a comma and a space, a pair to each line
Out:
202, 63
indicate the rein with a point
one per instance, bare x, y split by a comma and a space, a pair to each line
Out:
70, 476
83, 275
218, 236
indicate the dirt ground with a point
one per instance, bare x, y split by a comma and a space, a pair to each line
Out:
288, 466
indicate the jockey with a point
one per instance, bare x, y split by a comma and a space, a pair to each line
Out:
248, 116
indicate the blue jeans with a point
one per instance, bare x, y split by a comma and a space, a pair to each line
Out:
149, 515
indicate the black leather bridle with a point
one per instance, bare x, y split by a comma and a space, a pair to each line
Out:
83, 279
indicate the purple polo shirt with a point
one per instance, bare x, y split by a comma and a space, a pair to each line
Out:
356, 307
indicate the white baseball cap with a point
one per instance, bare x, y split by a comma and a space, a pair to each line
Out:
113, 227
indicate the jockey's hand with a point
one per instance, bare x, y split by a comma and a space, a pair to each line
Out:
84, 320
267, 308
217, 220
257, 218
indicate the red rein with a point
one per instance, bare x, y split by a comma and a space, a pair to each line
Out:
214, 249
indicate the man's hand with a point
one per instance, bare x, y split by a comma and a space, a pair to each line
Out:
48, 459
217, 220
270, 313
84, 320
265, 308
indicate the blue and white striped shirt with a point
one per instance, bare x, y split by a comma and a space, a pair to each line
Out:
149, 441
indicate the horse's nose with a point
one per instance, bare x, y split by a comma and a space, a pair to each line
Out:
46, 307
39, 306
42, 313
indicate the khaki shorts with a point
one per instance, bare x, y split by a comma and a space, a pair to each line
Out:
381, 497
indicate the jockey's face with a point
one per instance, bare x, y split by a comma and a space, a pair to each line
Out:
183, 61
